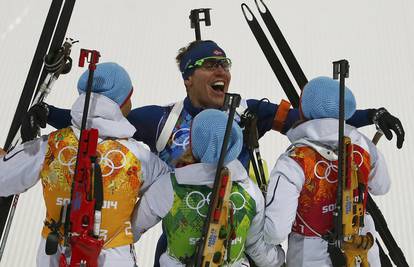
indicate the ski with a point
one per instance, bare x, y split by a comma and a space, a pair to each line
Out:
271, 56
60, 32
8, 204
282, 45
395, 252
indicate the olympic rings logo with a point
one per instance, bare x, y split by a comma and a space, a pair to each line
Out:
182, 139
237, 201
106, 161
358, 159
72, 161
329, 168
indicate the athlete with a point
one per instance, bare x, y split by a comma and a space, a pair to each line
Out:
186, 194
127, 168
302, 188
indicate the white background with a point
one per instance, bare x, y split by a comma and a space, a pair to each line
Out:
375, 36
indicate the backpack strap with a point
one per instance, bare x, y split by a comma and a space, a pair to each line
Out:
169, 126
324, 151
173, 118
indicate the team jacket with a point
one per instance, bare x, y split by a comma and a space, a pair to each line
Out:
128, 169
288, 196
182, 209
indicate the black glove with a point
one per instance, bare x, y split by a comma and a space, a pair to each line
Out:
386, 122
33, 120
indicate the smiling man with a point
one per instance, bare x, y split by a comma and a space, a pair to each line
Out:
206, 73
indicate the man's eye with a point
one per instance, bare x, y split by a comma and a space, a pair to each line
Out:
209, 65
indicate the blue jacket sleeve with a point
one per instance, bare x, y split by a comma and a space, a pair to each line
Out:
58, 117
266, 112
146, 120
361, 117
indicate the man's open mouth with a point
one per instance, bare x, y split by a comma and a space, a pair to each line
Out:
218, 86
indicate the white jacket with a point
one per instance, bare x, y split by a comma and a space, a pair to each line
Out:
158, 201
286, 181
20, 168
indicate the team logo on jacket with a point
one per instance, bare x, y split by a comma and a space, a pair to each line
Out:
196, 200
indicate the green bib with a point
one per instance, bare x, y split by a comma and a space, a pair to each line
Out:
184, 222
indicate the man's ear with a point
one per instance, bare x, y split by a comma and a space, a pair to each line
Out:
188, 82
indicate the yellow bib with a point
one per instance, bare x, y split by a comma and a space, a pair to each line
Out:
122, 178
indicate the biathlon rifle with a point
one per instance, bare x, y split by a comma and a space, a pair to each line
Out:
82, 228
347, 247
380, 224
195, 20
52, 37
218, 232
248, 121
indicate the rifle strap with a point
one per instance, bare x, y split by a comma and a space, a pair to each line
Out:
169, 125
281, 115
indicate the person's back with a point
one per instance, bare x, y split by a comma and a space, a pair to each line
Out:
127, 168
302, 191
186, 194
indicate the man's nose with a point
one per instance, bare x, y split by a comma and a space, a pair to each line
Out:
219, 68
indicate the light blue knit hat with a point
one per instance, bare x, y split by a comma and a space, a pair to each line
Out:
320, 99
207, 134
110, 80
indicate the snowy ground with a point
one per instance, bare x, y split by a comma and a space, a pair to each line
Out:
377, 37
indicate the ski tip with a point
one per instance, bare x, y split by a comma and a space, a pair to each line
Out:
263, 6
245, 8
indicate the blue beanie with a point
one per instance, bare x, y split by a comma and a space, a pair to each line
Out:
110, 80
207, 134
201, 50
320, 99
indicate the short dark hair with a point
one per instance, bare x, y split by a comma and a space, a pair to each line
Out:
183, 50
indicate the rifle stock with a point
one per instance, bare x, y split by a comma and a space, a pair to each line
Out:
216, 241
87, 189
208, 246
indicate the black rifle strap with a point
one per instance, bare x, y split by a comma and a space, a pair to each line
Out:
271, 57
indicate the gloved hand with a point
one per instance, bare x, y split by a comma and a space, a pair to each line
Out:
386, 122
33, 120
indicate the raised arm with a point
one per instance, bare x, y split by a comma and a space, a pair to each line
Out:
268, 112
